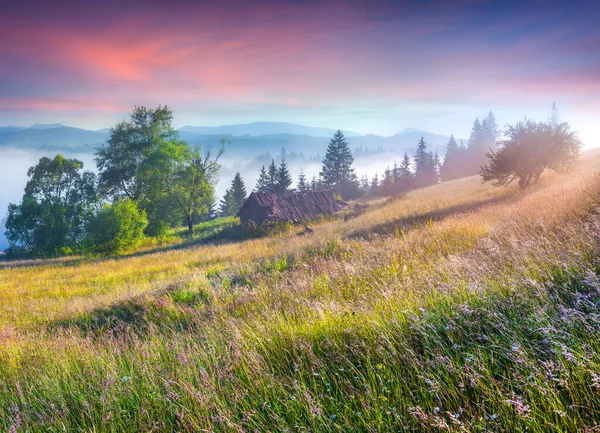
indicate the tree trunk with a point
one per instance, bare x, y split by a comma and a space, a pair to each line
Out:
190, 225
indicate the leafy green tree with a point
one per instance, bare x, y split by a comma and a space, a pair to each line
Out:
130, 143
57, 202
193, 181
528, 150
302, 184
262, 184
337, 172
284, 178
116, 228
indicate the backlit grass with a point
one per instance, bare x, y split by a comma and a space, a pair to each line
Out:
458, 308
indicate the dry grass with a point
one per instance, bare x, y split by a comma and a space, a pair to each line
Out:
461, 307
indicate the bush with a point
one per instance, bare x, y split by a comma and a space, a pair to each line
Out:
116, 228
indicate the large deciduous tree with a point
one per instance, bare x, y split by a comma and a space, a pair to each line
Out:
58, 201
530, 148
123, 156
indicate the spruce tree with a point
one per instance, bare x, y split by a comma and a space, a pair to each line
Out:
227, 206
272, 177
425, 166
238, 190
453, 165
302, 183
338, 174
405, 178
374, 186
284, 179
262, 184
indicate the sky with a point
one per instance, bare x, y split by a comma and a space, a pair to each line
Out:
370, 66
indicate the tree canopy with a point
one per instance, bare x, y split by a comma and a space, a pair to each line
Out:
530, 148
58, 201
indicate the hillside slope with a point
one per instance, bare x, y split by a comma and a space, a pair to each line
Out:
458, 308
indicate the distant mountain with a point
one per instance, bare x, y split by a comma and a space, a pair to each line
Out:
257, 129
410, 131
56, 138
246, 140
46, 126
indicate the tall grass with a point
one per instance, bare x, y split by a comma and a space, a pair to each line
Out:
457, 308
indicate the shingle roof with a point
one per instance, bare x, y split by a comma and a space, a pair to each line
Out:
295, 207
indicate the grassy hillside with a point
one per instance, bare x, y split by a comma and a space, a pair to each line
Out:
459, 308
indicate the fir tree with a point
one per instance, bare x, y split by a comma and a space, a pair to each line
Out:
227, 206
302, 185
405, 175
365, 185
272, 177
425, 166
338, 174
284, 179
374, 186
262, 184
238, 190
453, 165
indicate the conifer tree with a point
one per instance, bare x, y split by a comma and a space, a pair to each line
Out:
425, 166
453, 165
365, 185
338, 174
272, 177
405, 175
284, 179
262, 184
302, 185
374, 185
238, 189
227, 206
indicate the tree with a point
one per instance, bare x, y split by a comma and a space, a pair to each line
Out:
374, 186
122, 157
528, 150
453, 165
238, 188
426, 166
234, 197
262, 184
483, 138
227, 206
302, 184
58, 201
272, 174
192, 186
364, 186
117, 227
337, 172
284, 179
405, 175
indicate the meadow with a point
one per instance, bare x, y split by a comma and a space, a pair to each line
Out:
458, 307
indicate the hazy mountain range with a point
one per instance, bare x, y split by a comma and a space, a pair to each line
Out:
246, 140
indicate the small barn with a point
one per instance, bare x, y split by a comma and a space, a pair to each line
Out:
295, 207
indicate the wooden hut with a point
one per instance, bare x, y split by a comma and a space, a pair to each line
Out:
296, 207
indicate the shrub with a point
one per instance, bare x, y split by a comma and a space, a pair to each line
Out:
116, 228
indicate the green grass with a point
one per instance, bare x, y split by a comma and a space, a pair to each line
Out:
457, 308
